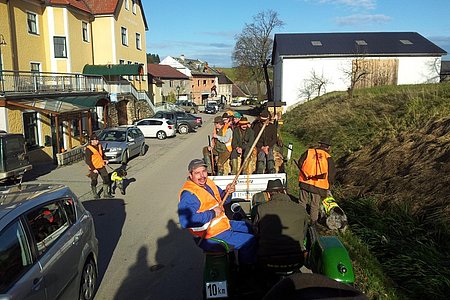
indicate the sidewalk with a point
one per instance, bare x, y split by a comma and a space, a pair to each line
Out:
73, 176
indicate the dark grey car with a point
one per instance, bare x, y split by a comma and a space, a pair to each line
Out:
183, 121
48, 247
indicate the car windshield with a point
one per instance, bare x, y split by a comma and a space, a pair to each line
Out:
112, 136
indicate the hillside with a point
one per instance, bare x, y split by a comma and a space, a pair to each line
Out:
392, 148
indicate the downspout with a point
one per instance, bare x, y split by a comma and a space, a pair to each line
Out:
13, 40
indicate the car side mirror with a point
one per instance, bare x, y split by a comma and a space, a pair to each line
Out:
130, 139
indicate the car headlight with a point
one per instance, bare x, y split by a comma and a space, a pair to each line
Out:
116, 149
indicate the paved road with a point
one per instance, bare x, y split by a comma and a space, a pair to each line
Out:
143, 252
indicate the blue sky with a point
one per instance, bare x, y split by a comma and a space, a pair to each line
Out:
206, 30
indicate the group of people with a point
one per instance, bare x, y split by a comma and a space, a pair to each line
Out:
278, 225
232, 139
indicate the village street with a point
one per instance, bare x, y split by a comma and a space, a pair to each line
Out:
143, 253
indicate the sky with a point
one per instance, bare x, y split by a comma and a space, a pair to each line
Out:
207, 30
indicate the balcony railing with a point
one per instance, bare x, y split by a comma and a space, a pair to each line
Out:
44, 82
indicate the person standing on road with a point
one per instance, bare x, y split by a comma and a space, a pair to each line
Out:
243, 138
317, 174
221, 146
96, 163
200, 211
267, 141
279, 224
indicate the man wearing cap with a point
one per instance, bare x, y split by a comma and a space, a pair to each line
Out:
221, 145
279, 224
266, 142
96, 163
201, 211
243, 138
236, 118
317, 173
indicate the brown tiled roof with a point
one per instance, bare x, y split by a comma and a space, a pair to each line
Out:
165, 71
79, 4
102, 6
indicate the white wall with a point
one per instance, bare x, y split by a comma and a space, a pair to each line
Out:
416, 70
290, 74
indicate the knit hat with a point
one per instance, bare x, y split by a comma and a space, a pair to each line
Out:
237, 115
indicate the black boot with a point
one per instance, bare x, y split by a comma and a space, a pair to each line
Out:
106, 192
94, 191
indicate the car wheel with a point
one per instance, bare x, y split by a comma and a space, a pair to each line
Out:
142, 153
88, 282
183, 129
192, 111
125, 157
161, 135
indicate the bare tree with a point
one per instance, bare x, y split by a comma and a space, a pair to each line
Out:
254, 46
358, 71
315, 84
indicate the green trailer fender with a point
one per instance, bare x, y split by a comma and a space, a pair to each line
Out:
329, 257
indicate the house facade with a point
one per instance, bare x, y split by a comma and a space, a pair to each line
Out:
166, 82
204, 79
309, 65
44, 47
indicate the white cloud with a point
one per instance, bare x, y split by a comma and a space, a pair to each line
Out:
362, 19
366, 4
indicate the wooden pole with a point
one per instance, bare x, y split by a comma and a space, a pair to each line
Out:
90, 123
58, 150
69, 131
80, 128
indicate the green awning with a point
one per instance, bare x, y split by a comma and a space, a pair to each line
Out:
114, 70
60, 105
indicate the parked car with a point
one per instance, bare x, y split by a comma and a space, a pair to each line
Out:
211, 108
188, 106
159, 128
183, 122
198, 120
236, 103
13, 156
48, 247
121, 143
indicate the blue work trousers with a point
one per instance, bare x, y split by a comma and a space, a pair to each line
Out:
241, 238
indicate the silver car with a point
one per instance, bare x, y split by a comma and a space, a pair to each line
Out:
121, 143
48, 247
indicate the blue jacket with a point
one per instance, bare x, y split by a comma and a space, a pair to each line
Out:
189, 205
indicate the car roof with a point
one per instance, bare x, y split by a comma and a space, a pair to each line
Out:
26, 196
152, 119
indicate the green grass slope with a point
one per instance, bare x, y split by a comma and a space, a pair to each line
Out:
392, 147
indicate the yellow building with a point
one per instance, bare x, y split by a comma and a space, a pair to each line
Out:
44, 47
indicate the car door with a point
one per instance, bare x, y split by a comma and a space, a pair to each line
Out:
146, 127
57, 248
156, 126
20, 273
131, 142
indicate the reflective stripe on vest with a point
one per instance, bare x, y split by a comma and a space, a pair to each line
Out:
97, 157
224, 131
329, 203
207, 202
315, 169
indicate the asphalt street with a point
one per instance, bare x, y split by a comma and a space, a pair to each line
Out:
143, 253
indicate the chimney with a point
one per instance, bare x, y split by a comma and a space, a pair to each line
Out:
182, 57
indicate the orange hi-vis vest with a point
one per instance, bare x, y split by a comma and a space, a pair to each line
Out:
219, 223
314, 170
227, 144
97, 157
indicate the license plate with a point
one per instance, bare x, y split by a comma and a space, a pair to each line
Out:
217, 289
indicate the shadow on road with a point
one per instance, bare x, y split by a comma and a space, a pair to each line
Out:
109, 218
178, 263
38, 170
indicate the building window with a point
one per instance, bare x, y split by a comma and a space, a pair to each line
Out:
316, 43
133, 8
35, 67
30, 126
361, 42
138, 41
406, 42
204, 82
124, 36
127, 4
85, 31
59, 43
32, 23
